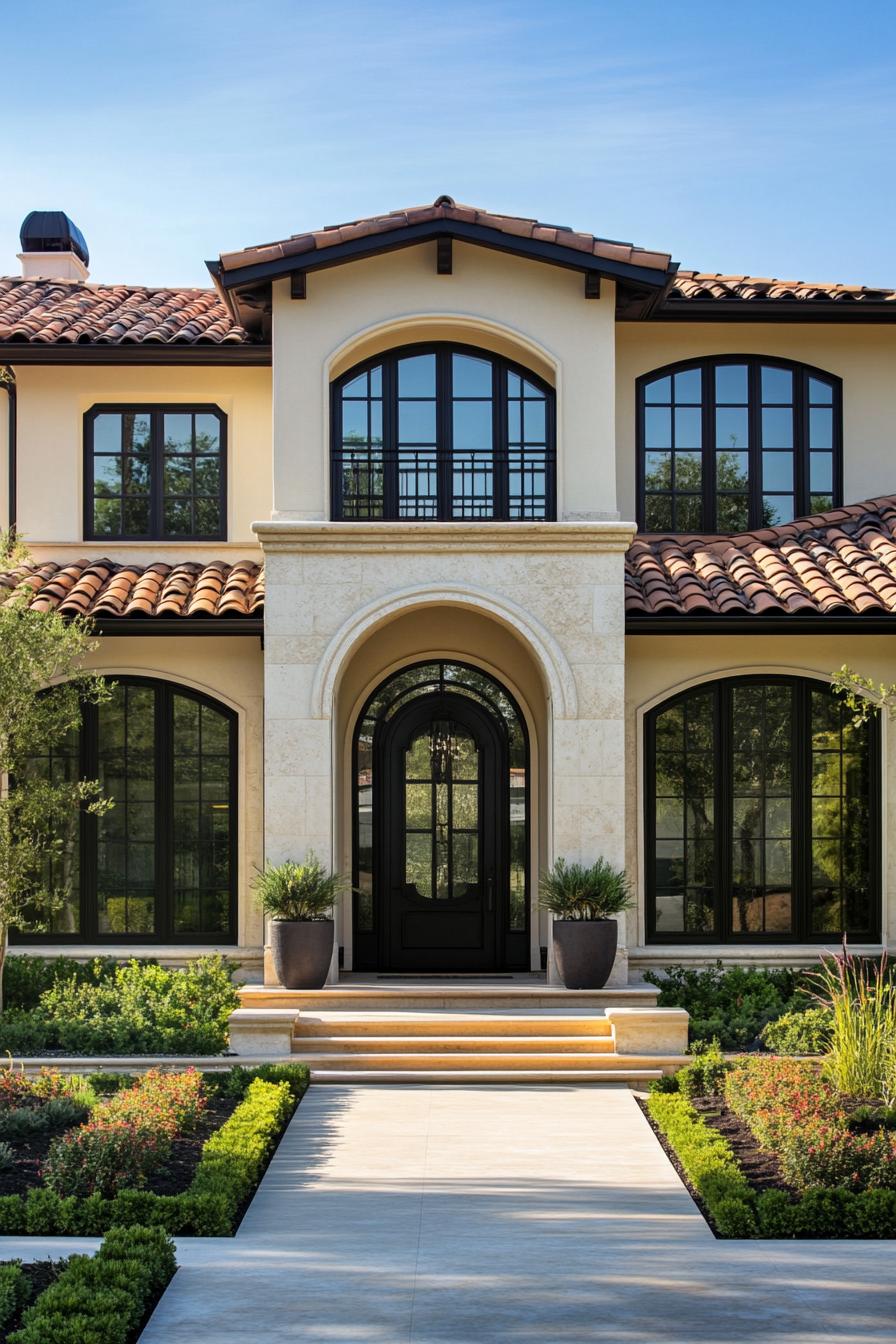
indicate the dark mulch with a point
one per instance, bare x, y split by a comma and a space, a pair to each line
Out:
761, 1169
172, 1179
178, 1172
40, 1275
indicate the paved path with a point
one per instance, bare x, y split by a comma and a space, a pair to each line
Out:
535, 1214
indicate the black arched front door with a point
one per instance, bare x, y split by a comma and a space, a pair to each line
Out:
442, 817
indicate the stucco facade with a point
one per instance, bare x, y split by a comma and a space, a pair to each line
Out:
538, 604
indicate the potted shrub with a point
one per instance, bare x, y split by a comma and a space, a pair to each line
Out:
583, 898
298, 898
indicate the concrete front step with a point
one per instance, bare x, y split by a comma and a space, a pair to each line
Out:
304, 1044
628, 1077
499, 998
413, 1025
498, 1061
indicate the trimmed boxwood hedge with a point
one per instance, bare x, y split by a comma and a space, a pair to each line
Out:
14, 1292
232, 1162
102, 1299
736, 1210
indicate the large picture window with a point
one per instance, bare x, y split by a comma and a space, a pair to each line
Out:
160, 865
735, 443
442, 433
155, 473
762, 815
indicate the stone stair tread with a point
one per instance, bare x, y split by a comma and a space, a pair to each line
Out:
501, 1076
499, 1061
498, 1044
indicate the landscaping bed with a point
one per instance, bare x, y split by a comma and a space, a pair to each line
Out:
180, 1150
771, 1148
106, 1298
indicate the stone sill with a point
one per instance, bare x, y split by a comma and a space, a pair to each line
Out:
351, 538
771, 954
167, 954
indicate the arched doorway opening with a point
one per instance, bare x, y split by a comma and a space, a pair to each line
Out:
440, 823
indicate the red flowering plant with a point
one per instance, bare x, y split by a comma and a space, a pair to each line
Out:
795, 1113
137, 1125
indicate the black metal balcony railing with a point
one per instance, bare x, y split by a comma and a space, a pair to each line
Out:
423, 483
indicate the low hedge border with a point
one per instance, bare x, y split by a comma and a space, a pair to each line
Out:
104, 1298
734, 1207
14, 1292
232, 1162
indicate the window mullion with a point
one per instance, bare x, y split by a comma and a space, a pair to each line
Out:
156, 512
89, 828
500, 444
801, 443
754, 456
724, 789
164, 799
801, 802
444, 434
707, 393
390, 439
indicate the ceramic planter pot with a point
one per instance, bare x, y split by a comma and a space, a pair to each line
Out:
584, 951
302, 951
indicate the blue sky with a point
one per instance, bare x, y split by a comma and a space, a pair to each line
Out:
741, 137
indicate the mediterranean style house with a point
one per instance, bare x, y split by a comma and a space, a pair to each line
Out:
447, 543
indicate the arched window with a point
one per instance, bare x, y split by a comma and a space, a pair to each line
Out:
442, 432
161, 864
736, 442
762, 815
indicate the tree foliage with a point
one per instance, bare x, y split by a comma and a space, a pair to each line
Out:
41, 650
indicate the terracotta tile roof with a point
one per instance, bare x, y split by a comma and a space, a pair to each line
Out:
445, 209
104, 588
68, 312
704, 287
837, 563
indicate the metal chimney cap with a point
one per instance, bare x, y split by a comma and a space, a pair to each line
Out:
52, 231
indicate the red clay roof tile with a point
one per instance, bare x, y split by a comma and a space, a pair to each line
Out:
105, 588
839, 562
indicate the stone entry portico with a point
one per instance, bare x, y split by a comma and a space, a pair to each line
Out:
554, 592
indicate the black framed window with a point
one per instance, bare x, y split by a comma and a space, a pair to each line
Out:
762, 815
442, 432
155, 473
161, 864
737, 442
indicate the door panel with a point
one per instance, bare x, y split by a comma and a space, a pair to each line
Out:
443, 825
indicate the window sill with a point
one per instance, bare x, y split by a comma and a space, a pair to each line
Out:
744, 954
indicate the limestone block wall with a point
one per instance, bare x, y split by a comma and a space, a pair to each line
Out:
558, 586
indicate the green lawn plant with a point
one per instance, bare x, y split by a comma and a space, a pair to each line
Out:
299, 891
584, 891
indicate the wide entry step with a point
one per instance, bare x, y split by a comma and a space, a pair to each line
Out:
624, 1077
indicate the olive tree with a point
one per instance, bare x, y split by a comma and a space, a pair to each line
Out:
43, 686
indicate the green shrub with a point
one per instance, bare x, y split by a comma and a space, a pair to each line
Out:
807, 1032
731, 1006
705, 1075
235, 1082
234, 1157
22, 1123
106, 1084
26, 978
15, 1291
103, 1299
139, 1008
708, 1163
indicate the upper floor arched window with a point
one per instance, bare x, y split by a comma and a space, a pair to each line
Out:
442, 432
732, 443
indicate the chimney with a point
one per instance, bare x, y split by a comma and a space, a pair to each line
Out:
53, 248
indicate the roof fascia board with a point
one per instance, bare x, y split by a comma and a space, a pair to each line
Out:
777, 310
43, 352
675, 624
179, 625
554, 254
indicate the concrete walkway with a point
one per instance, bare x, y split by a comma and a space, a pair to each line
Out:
478, 1214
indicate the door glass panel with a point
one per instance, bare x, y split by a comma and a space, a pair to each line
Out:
442, 811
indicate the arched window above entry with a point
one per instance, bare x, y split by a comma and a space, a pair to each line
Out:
442, 433
736, 442
762, 815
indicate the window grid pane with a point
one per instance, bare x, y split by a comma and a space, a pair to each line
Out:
673, 461
447, 434
773, 436
684, 870
761, 837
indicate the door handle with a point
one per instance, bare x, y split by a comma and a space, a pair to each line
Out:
490, 893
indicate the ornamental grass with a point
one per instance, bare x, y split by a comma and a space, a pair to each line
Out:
861, 995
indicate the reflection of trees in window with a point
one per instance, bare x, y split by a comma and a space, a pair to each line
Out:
762, 813
730, 443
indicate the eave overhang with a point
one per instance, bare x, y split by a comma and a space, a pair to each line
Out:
253, 354
246, 289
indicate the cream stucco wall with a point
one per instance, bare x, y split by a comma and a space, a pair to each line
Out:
863, 356
51, 405
658, 666
533, 312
